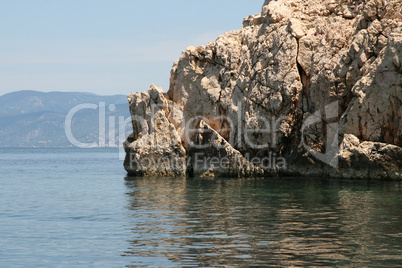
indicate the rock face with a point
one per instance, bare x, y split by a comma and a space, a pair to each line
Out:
369, 159
154, 148
303, 88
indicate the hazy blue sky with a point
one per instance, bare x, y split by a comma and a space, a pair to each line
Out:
105, 46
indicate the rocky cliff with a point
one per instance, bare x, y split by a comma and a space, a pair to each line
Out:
309, 88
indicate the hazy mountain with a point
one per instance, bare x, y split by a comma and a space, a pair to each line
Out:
28, 101
37, 119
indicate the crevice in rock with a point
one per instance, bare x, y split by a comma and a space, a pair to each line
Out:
361, 136
305, 80
305, 92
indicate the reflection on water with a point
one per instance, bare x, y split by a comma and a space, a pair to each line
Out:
277, 222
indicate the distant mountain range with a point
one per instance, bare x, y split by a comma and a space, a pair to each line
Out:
38, 119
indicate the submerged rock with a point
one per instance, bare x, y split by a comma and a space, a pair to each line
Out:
303, 88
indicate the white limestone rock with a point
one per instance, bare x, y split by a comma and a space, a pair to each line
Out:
367, 159
281, 72
154, 148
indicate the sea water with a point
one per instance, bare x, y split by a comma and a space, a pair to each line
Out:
77, 208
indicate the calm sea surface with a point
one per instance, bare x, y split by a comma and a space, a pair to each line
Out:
76, 208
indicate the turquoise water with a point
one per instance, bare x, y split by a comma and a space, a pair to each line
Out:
77, 208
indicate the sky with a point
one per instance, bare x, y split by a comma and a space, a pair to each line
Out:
106, 46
